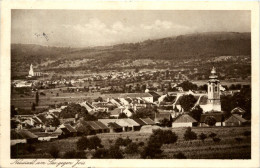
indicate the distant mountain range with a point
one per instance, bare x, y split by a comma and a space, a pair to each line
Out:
179, 48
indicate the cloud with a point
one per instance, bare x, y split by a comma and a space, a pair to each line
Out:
95, 32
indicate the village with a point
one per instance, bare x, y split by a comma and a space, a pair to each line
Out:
181, 105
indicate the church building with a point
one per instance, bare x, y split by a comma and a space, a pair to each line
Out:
32, 73
209, 102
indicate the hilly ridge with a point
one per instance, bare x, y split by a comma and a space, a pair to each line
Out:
179, 48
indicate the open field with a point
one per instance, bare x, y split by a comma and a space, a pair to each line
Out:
227, 148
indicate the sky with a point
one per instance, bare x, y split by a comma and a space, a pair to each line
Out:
87, 28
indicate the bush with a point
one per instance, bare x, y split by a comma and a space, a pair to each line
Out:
131, 148
122, 142
82, 143
101, 154
210, 120
212, 135
180, 155
94, 142
20, 149
112, 153
54, 151
203, 137
115, 152
163, 136
141, 143
152, 150
189, 135
74, 155
217, 140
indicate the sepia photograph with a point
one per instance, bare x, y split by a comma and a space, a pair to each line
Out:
130, 83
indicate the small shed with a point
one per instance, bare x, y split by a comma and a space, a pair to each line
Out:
234, 120
184, 120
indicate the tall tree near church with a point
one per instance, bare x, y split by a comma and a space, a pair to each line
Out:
187, 102
37, 98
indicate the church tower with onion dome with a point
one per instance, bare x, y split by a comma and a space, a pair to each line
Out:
214, 92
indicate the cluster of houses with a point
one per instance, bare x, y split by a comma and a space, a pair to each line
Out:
44, 127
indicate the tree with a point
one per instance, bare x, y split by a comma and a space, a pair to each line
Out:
180, 155
196, 112
122, 115
202, 137
212, 135
74, 155
101, 154
72, 109
122, 142
189, 135
163, 136
186, 86
217, 140
94, 142
115, 152
165, 122
210, 120
33, 107
131, 148
187, 102
99, 99
53, 122
54, 151
145, 112
82, 143
37, 98
152, 150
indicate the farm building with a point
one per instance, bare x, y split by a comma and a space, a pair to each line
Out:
234, 120
184, 120
117, 111
217, 116
114, 127
22, 136
145, 96
93, 126
126, 123
139, 121
148, 121
66, 130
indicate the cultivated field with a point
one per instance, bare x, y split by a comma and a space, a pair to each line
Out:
228, 148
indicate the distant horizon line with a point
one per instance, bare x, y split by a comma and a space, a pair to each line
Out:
127, 42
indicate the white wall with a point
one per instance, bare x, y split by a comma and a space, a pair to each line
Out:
181, 124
